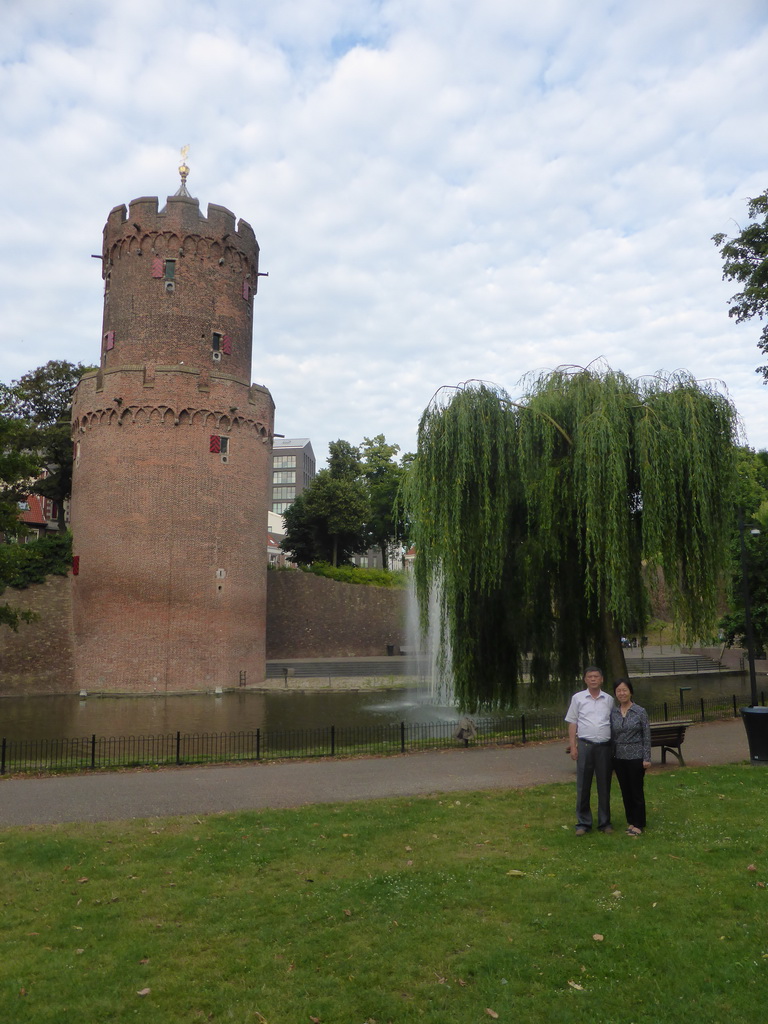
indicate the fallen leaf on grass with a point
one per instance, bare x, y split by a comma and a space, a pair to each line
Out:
315, 1020
81, 880
143, 991
491, 1013
348, 913
616, 893
516, 874
598, 937
575, 984
751, 867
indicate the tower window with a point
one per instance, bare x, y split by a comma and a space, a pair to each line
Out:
216, 341
219, 445
109, 340
170, 270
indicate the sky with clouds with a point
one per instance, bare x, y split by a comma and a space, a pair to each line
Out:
441, 189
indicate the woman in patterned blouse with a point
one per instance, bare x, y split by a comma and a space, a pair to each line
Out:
631, 735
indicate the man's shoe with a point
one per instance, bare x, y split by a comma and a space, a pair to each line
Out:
607, 830
581, 831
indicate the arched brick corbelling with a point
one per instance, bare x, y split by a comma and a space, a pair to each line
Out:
165, 415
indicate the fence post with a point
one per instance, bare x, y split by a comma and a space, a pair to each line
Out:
735, 710
93, 750
178, 748
333, 741
2, 759
666, 714
702, 710
258, 744
402, 737
522, 723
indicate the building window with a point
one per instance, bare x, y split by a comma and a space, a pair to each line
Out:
283, 492
284, 477
281, 506
283, 461
216, 341
170, 270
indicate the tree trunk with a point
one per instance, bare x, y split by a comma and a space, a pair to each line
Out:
616, 664
335, 548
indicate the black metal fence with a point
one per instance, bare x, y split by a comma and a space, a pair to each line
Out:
102, 752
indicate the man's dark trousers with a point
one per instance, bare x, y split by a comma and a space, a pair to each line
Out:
594, 759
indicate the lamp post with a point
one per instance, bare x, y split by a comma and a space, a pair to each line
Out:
755, 718
749, 634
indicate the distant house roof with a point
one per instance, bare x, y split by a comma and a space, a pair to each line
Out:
33, 514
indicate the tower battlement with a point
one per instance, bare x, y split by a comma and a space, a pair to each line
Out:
180, 216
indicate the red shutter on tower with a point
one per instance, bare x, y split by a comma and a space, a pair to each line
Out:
158, 270
109, 338
76, 565
246, 288
226, 345
215, 443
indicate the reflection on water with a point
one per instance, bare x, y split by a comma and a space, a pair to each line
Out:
51, 717
242, 711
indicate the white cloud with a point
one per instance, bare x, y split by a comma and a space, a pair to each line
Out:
440, 190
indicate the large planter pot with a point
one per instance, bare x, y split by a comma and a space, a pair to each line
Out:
756, 724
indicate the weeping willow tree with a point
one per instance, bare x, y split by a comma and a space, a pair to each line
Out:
545, 523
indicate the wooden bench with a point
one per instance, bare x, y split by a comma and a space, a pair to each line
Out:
669, 736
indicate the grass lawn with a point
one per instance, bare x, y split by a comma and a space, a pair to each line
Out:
445, 909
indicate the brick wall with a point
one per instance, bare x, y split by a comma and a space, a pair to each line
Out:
307, 617
38, 659
312, 617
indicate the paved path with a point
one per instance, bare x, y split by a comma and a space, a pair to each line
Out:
114, 796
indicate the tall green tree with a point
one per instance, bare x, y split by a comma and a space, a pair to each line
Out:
39, 402
751, 500
383, 476
544, 521
745, 259
328, 521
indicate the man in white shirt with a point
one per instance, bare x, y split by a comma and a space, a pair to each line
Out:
589, 732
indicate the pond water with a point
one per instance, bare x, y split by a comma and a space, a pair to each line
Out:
51, 717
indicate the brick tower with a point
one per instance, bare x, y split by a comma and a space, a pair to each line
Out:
172, 447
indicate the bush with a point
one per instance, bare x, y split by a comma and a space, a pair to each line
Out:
22, 564
352, 574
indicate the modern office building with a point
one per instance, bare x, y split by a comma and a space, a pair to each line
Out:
293, 469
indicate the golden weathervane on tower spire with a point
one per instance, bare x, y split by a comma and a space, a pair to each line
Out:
183, 171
